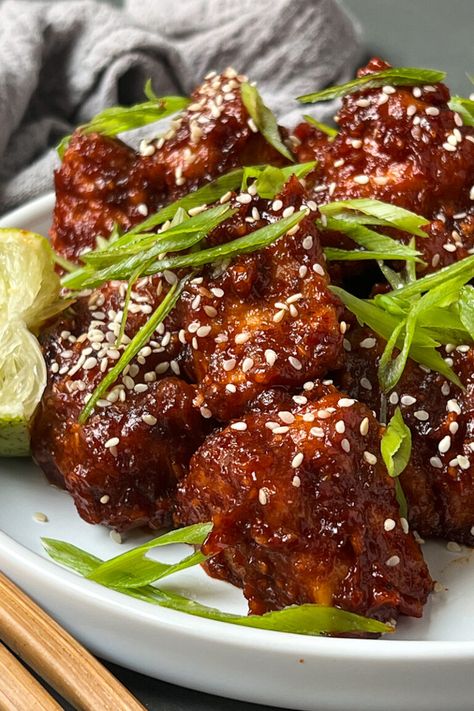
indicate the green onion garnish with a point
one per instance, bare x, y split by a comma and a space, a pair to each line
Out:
123, 572
264, 119
399, 76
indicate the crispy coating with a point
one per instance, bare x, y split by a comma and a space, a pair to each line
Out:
304, 511
406, 147
102, 182
439, 480
122, 466
268, 318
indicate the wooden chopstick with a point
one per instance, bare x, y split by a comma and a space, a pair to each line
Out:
19, 690
57, 657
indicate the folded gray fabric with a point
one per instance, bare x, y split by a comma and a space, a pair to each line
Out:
61, 62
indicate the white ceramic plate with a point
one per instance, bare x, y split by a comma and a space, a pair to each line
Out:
426, 666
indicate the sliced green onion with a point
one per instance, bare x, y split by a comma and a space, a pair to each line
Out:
264, 119
385, 213
117, 119
139, 340
302, 619
397, 76
323, 127
464, 107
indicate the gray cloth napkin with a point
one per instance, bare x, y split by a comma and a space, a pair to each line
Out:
61, 62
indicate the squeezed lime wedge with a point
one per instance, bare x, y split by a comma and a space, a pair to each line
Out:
22, 381
29, 295
29, 286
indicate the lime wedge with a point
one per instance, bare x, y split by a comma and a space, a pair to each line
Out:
22, 381
29, 286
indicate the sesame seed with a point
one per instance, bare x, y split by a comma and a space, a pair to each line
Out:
239, 426
368, 343
366, 384
244, 198
436, 463
448, 147
295, 363
297, 460
340, 426
288, 211
296, 481
270, 356
229, 364
432, 111
463, 461
279, 316
89, 363
361, 179
286, 417
247, 364
281, 430
416, 92
346, 445
307, 242
149, 419
389, 524
448, 247
104, 499
262, 496
453, 427
112, 442
445, 444
277, 205
308, 417
370, 458
242, 338
323, 414
345, 402
317, 268
40, 517
140, 388
382, 99
203, 331
453, 547
317, 432
205, 412
393, 399
364, 426
421, 415
392, 561
230, 387
362, 103
115, 536
453, 406
411, 110
404, 525
303, 270
142, 208
407, 400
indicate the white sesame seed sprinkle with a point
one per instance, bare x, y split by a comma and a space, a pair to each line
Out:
407, 400
239, 426
297, 460
361, 179
389, 524
288, 211
421, 415
104, 499
286, 417
281, 430
317, 432
345, 402
296, 481
368, 343
340, 426
40, 517
346, 445
445, 444
392, 561
295, 363
453, 547
112, 442
247, 364
370, 458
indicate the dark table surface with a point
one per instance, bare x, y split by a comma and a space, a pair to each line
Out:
425, 33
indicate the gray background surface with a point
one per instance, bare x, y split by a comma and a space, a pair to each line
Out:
426, 33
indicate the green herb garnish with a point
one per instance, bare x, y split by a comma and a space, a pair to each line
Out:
418, 318
302, 619
139, 340
399, 76
375, 245
118, 119
395, 448
264, 119
377, 212
323, 127
464, 107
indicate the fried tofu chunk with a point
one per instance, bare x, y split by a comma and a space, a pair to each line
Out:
121, 467
405, 146
439, 479
266, 319
102, 182
304, 510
